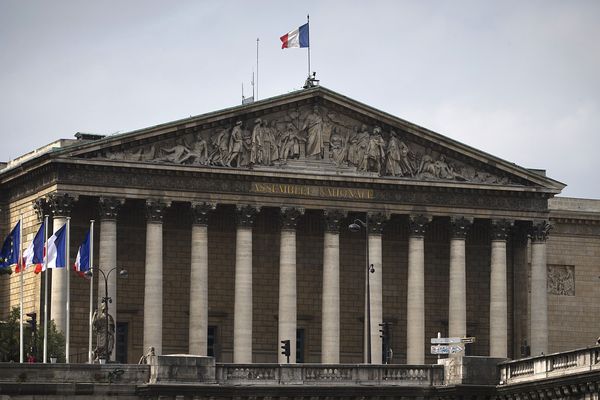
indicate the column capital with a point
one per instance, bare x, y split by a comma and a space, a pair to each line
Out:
109, 207
155, 210
333, 218
539, 231
418, 224
246, 215
41, 208
377, 222
61, 204
501, 228
289, 217
460, 226
201, 211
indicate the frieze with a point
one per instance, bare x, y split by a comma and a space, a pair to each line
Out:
127, 179
561, 280
284, 139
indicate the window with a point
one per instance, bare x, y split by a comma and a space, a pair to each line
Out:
121, 342
300, 345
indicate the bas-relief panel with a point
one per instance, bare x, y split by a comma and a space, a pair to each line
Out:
561, 280
311, 134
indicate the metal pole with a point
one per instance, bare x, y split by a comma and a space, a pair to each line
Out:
106, 315
368, 291
91, 268
45, 291
68, 306
308, 22
21, 269
256, 98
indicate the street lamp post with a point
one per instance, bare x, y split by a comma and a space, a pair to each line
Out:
355, 227
105, 300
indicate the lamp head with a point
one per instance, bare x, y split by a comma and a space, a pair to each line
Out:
354, 227
123, 273
88, 273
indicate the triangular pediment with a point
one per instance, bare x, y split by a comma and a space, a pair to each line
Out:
314, 131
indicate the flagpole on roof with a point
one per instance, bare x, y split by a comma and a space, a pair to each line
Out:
256, 98
45, 289
67, 271
19, 265
91, 269
308, 23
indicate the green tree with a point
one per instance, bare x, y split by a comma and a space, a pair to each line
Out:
32, 343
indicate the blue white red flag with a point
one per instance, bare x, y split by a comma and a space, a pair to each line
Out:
9, 255
57, 248
82, 262
34, 255
297, 38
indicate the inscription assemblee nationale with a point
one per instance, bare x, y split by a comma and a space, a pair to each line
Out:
313, 191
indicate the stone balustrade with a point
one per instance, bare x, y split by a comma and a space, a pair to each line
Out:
550, 366
321, 374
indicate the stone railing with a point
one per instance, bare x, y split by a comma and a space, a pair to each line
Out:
322, 374
550, 366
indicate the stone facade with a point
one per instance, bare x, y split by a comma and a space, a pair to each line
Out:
409, 184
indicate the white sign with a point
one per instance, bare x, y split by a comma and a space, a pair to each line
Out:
446, 340
446, 349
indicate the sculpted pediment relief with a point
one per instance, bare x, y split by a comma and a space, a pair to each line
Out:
311, 138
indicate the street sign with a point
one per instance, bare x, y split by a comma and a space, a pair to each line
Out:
451, 340
446, 340
446, 349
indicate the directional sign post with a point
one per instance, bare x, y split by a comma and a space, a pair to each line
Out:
447, 349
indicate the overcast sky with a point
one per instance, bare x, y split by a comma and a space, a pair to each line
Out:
517, 79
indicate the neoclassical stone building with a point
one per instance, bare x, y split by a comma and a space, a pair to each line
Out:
233, 226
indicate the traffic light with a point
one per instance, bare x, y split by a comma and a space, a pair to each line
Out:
286, 349
32, 321
385, 336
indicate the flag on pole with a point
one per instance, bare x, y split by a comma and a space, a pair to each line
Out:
297, 38
57, 249
82, 262
9, 254
34, 254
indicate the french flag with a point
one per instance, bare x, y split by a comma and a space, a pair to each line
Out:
82, 262
57, 248
34, 255
296, 38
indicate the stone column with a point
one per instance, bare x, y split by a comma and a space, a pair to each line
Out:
153, 283
107, 254
198, 324
330, 310
457, 302
539, 296
242, 318
61, 205
287, 281
498, 290
376, 224
415, 301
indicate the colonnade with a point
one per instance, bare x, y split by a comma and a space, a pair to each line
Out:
287, 315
